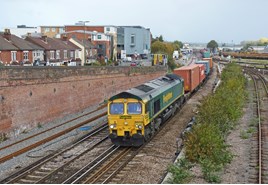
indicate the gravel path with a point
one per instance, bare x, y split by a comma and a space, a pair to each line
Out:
21, 161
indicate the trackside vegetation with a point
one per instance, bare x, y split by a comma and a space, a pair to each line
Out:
217, 116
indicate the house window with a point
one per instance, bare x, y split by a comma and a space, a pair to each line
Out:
108, 29
47, 30
72, 54
58, 54
65, 54
99, 36
25, 55
13, 55
61, 30
77, 54
132, 40
52, 55
53, 29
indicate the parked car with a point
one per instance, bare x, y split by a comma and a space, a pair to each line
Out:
133, 64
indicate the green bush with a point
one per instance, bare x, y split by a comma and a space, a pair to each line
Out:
180, 172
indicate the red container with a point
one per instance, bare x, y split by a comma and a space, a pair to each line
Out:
210, 62
202, 74
190, 74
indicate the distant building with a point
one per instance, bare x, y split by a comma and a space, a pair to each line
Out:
110, 38
23, 30
134, 40
51, 31
88, 50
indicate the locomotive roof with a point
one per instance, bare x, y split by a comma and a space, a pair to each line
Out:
150, 89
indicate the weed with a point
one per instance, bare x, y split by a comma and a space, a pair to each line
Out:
39, 125
244, 134
3, 137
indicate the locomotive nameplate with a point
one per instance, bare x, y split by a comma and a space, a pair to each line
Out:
125, 117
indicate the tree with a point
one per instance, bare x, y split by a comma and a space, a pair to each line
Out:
212, 45
161, 39
177, 45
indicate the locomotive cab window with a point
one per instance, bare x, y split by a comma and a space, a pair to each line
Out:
116, 108
134, 108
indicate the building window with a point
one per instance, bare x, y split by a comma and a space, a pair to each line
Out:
52, 55
53, 29
25, 55
47, 30
132, 40
58, 54
108, 29
13, 55
65, 54
72, 54
99, 37
61, 30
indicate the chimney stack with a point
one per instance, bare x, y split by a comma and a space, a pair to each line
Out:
64, 37
7, 34
44, 38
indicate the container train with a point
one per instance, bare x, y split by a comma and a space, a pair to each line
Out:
136, 114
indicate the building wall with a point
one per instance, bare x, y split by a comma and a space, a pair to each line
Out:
87, 28
51, 31
5, 56
142, 40
33, 95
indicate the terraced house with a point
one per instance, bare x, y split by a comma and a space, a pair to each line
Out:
17, 51
57, 51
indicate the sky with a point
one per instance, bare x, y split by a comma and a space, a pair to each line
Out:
225, 21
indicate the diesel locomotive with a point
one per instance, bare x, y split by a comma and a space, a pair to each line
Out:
134, 115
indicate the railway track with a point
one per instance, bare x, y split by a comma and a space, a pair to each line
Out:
54, 136
259, 150
49, 167
104, 167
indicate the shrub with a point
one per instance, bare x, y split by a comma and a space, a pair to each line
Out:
217, 115
180, 172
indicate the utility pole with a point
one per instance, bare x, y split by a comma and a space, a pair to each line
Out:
84, 44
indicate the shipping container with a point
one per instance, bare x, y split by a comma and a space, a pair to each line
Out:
190, 74
206, 63
202, 74
206, 54
210, 62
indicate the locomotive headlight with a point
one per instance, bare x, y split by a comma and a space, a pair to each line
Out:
112, 126
126, 123
138, 126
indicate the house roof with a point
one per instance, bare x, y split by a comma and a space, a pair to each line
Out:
23, 44
88, 44
6, 45
16, 43
52, 43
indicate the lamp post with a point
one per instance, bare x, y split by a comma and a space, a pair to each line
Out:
84, 44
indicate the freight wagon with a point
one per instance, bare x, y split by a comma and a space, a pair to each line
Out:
210, 62
207, 66
190, 74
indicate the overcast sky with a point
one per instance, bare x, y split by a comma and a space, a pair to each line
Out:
184, 20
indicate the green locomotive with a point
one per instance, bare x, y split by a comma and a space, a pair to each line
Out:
135, 115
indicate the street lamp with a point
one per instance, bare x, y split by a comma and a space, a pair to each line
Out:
84, 44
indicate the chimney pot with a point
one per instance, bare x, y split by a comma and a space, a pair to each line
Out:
7, 34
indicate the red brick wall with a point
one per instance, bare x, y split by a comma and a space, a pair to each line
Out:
5, 56
32, 95
88, 28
